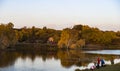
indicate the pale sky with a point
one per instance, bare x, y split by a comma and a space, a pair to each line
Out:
59, 14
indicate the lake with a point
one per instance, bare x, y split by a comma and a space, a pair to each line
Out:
59, 60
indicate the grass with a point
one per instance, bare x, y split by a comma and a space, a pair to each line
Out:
115, 67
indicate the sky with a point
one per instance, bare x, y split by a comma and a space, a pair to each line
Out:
59, 14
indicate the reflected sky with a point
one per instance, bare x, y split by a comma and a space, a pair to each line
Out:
113, 52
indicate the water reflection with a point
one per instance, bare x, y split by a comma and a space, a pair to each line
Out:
60, 60
7, 59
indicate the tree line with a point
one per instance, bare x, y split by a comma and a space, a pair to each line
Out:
75, 37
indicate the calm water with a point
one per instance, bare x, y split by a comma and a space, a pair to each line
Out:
112, 52
54, 60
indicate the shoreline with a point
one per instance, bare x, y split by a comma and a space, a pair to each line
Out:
115, 67
45, 46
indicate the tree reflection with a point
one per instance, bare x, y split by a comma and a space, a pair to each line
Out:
72, 57
7, 59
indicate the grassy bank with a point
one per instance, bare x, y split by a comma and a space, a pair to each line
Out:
115, 67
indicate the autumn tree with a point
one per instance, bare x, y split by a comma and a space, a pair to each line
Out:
96, 36
7, 35
69, 38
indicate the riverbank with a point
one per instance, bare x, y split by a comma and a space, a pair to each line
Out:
101, 47
115, 67
33, 46
39, 46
